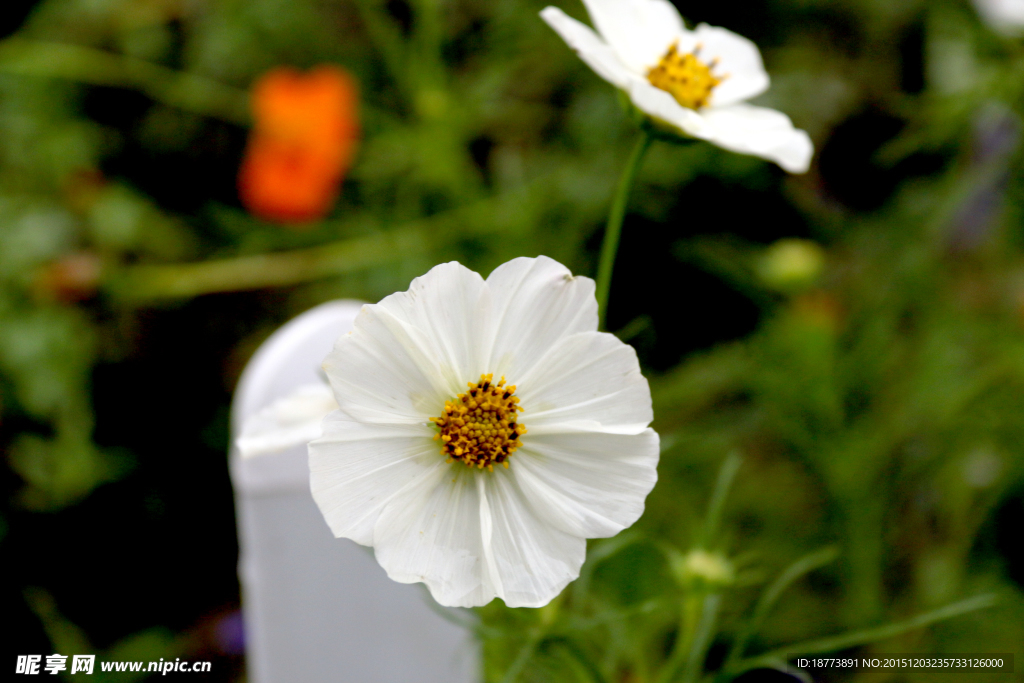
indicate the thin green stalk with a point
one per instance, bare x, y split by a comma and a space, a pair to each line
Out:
725, 476
696, 628
865, 519
614, 228
523, 656
278, 269
683, 639
82, 64
805, 564
490, 216
702, 639
597, 555
387, 38
427, 41
578, 662
634, 327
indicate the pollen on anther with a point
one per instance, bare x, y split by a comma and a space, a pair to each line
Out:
479, 427
685, 76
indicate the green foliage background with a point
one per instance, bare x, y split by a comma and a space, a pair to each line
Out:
870, 376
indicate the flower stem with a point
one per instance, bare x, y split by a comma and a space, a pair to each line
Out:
145, 283
801, 567
187, 91
511, 212
696, 630
725, 477
614, 228
701, 639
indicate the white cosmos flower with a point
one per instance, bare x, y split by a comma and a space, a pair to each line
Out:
697, 81
558, 453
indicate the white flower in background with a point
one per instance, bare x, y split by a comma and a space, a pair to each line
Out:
485, 430
283, 396
293, 420
1003, 16
696, 81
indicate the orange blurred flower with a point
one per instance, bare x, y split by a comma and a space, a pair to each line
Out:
302, 143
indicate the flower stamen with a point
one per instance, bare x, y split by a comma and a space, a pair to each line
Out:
684, 76
480, 427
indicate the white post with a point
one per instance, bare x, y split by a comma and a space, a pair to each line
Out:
319, 609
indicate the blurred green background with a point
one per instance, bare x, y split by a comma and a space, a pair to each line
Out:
855, 334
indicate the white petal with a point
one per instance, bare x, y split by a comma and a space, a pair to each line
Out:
471, 537
738, 58
384, 372
433, 535
589, 381
533, 560
590, 485
597, 54
759, 131
287, 422
415, 349
659, 104
640, 31
535, 302
450, 306
356, 469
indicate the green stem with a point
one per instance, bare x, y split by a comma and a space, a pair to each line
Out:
702, 639
687, 626
510, 213
524, 655
387, 38
427, 39
696, 628
577, 661
614, 228
805, 564
82, 64
865, 520
725, 477
136, 284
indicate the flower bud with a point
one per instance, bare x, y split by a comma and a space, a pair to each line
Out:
791, 264
699, 566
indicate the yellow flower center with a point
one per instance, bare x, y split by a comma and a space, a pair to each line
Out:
480, 427
685, 77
